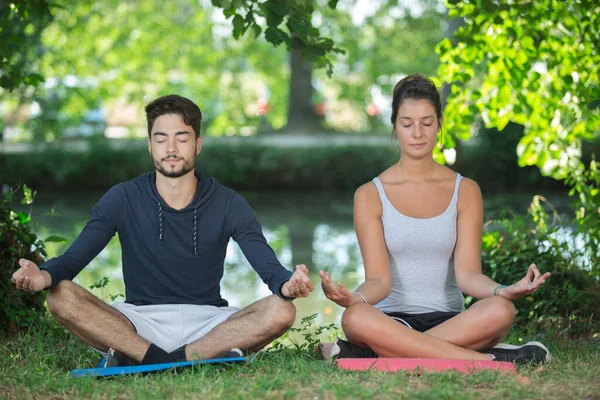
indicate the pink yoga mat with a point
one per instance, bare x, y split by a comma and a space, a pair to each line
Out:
426, 364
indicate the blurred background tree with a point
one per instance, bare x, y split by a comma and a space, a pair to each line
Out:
117, 53
21, 26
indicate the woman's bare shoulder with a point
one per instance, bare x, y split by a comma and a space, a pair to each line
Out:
469, 193
367, 192
367, 201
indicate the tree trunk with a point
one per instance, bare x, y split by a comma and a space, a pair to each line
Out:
301, 244
453, 25
301, 114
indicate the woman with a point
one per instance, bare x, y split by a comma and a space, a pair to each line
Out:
419, 227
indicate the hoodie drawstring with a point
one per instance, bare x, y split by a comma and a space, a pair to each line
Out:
195, 232
160, 222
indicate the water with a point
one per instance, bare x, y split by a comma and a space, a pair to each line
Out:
313, 229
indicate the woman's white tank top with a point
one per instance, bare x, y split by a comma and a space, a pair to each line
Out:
421, 253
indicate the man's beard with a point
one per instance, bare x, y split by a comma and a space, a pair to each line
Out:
186, 166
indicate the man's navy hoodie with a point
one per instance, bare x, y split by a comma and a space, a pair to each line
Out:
172, 256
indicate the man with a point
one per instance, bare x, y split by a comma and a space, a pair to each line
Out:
174, 226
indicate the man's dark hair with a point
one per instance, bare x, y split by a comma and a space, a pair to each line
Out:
174, 104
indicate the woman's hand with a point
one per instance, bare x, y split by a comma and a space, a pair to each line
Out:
529, 284
338, 294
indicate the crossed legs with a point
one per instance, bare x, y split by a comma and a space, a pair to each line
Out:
481, 326
102, 326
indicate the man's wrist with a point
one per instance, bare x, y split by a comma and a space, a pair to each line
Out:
48, 278
281, 294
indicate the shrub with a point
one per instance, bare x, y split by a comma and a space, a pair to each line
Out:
18, 309
247, 166
570, 299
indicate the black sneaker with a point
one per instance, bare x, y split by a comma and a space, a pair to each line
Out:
531, 352
115, 358
233, 353
344, 349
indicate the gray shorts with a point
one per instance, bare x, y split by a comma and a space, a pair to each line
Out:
170, 326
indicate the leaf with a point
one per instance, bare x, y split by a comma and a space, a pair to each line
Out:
257, 29
228, 12
239, 26
28, 199
594, 104
52, 213
23, 218
274, 36
101, 283
33, 79
9, 196
56, 239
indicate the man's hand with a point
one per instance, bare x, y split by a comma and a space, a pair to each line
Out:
529, 284
338, 294
299, 284
30, 278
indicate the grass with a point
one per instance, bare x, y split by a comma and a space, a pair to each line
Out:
36, 364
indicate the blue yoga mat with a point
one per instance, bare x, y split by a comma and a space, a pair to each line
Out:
139, 369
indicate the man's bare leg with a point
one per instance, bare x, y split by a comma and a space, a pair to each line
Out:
250, 329
93, 321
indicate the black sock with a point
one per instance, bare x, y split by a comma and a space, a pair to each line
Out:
156, 355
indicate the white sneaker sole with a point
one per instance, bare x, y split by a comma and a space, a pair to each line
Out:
335, 350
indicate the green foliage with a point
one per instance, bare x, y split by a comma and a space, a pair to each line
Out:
18, 309
112, 54
118, 53
21, 23
571, 297
287, 22
310, 332
587, 186
535, 63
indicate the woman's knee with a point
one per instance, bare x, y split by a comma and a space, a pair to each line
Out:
502, 310
354, 319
